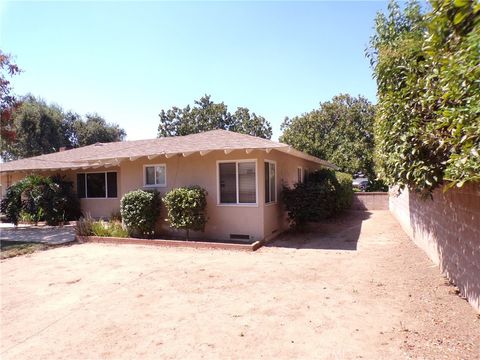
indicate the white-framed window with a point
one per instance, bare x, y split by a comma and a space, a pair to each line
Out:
155, 175
237, 182
299, 174
270, 181
94, 185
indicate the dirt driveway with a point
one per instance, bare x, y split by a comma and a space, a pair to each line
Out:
357, 288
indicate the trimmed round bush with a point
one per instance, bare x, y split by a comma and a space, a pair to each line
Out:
140, 210
186, 208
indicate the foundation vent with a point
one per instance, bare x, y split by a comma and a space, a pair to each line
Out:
239, 237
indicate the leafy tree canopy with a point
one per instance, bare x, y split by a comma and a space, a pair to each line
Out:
340, 131
427, 127
95, 129
41, 128
206, 115
8, 102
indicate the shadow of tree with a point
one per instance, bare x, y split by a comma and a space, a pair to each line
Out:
447, 228
340, 233
50, 235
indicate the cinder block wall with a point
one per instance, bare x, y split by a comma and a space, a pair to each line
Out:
370, 201
447, 228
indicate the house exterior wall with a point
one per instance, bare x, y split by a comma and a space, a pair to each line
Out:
275, 218
258, 221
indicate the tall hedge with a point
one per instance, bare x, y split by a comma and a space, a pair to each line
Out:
427, 126
41, 198
186, 208
140, 211
324, 194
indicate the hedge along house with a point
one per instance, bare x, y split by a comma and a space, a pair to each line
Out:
242, 174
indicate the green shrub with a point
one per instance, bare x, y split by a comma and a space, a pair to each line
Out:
186, 208
343, 191
324, 194
376, 185
140, 210
41, 198
426, 65
11, 204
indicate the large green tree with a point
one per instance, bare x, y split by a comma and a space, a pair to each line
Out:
340, 131
42, 128
206, 115
427, 127
95, 129
37, 128
8, 102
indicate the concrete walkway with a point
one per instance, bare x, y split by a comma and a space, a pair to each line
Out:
52, 235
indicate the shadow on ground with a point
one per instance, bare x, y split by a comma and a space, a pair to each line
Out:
341, 233
49, 235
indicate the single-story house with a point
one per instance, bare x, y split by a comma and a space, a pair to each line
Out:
243, 176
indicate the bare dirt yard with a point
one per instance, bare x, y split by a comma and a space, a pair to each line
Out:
350, 289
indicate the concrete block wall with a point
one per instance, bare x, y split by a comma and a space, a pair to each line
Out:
447, 228
370, 201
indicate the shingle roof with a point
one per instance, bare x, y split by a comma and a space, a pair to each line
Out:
111, 153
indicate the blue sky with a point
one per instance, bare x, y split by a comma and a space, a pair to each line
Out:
128, 60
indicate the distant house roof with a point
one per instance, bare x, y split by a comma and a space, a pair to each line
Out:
111, 154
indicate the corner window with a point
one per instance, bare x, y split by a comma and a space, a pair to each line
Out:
97, 185
237, 182
270, 182
299, 174
155, 175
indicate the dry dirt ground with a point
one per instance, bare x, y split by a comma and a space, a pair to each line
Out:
356, 288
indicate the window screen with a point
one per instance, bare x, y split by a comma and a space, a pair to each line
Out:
81, 185
96, 185
149, 175
155, 175
112, 184
246, 183
270, 180
228, 182
299, 175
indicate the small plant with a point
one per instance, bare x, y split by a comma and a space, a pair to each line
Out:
108, 229
140, 211
186, 208
116, 216
116, 230
84, 226
26, 218
99, 229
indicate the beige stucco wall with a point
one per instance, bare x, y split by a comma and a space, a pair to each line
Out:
275, 218
258, 221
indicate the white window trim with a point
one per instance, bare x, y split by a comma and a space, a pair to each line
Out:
276, 193
301, 174
106, 185
255, 204
145, 176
